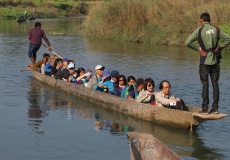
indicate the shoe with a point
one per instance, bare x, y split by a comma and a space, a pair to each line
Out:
213, 111
203, 112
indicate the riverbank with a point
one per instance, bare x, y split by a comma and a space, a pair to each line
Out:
12, 9
167, 22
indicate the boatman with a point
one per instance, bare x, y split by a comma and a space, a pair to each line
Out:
35, 36
208, 37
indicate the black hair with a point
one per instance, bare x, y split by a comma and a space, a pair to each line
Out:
79, 70
161, 84
46, 55
205, 16
148, 81
131, 78
37, 24
57, 61
70, 61
116, 84
138, 82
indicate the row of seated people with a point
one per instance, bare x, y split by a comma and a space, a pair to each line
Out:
140, 90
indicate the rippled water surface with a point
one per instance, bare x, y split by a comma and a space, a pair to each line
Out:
41, 122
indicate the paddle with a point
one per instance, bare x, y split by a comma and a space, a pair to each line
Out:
26, 70
53, 52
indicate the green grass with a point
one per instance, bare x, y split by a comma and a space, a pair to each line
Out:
12, 9
166, 22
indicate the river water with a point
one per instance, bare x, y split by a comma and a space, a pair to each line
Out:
41, 122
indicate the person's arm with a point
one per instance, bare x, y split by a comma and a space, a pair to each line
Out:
192, 38
85, 75
43, 68
225, 40
46, 40
142, 96
30, 35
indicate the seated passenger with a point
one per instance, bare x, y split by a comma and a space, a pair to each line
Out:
50, 64
63, 73
57, 65
114, 75
73, 74
165, 99
82, 77
135, 89
96, 79
119, 85
108, 80
147, 95
37, 66
124, 92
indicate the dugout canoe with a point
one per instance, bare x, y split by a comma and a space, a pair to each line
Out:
164, 116
146, 147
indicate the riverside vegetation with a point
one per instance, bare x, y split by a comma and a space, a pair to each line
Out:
12, 9
166, 22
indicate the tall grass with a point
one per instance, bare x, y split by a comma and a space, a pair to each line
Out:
166, 22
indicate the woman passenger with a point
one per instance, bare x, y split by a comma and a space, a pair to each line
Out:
147, 95
50, 64
130, 81
82, 78
119, 85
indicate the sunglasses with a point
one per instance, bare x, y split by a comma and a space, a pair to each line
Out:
149, 85
120, 80
72, 68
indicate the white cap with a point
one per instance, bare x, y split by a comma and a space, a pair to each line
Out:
71, 65
99, 67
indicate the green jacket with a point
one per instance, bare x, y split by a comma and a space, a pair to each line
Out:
210, 38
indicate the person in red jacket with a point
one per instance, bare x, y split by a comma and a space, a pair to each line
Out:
35, 36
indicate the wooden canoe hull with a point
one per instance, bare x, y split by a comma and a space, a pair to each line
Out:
159, 115
146, 147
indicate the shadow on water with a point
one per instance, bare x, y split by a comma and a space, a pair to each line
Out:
43, 98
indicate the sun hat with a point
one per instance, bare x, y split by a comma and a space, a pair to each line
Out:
106, 74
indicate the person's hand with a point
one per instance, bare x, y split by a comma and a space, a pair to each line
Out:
100, 85
202, 52
50, 48
177, 99
88, 74
217, 50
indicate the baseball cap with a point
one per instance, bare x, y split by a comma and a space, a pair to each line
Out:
71, 65
99, 67
114, 73
65, 60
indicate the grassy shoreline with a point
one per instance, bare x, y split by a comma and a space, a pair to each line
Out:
167, 22
12, 9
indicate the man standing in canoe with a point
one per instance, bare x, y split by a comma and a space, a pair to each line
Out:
35, 36
208, 37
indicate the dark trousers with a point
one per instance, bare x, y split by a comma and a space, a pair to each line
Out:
214, 72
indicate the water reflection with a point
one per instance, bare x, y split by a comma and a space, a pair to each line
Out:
43, 98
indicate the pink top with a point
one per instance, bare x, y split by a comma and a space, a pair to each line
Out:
35, 36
